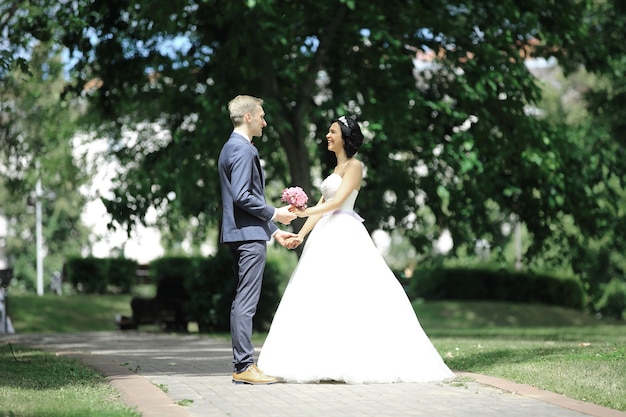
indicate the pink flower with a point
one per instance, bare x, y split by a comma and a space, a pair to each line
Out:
295, 196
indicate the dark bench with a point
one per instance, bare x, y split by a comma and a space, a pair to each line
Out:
166, 309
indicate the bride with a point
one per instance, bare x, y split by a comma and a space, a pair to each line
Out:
344, 316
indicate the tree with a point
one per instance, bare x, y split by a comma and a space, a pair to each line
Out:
21, 24
40, 127
20, 21
586, 107
450, 147
24, 25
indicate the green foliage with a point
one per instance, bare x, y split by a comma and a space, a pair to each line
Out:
210, 284
613, 301
36, 128
101, 275
23, 24
212, 290
495, 285
87, 275
588, 108
453, 143
122, 274
176, 267
447, 141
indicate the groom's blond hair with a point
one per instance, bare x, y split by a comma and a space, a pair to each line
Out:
241, 105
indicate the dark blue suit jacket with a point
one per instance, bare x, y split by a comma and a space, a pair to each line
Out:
245, 214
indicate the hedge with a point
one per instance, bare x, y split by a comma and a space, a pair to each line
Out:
495, 285
210, 284
100, 275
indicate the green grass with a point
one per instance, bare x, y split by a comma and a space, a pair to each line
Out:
66, 313
39, 384
50, 313
551, 348
453, 315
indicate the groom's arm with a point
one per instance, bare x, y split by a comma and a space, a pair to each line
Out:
247, 185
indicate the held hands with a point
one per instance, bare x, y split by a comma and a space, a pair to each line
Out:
285, 238
293, 242
288, 240
285, 215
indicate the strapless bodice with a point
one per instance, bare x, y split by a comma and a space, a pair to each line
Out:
330, 186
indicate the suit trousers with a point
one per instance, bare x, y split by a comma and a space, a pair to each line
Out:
249, 265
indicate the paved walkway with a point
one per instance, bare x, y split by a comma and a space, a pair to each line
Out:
195, 371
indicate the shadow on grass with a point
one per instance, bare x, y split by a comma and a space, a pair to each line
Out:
578, 334
479, 360
478, 314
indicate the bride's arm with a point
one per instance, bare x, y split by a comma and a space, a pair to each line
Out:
351, 181
310, 222
308, 225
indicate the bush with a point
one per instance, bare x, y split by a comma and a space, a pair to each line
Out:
87, 275
175, 267
495, 285
121, 274
210, 284
98, 275
210, 289
613, 301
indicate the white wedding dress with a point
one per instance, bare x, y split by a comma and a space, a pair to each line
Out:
344, 316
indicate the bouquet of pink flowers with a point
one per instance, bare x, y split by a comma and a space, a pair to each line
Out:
295, 196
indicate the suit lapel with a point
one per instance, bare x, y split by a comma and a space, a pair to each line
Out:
257, 159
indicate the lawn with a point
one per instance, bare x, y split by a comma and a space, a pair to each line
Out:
66, 313
551, 348
36, 384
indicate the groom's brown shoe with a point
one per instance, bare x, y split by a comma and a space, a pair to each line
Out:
253, 376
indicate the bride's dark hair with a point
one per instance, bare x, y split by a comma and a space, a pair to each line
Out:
351, 134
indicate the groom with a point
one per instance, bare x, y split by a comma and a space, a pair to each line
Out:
247, 225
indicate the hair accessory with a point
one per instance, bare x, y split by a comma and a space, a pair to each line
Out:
343, 120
